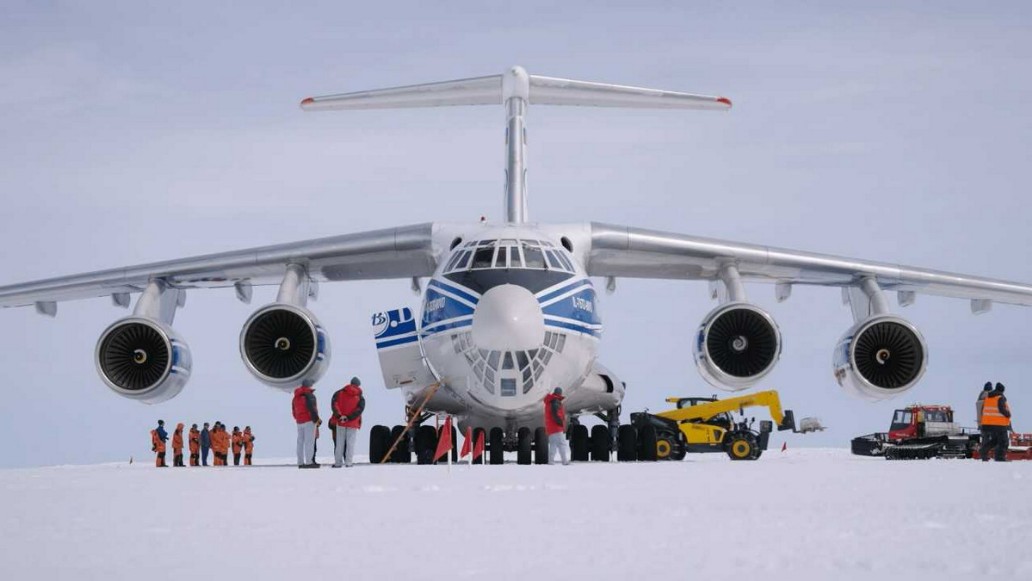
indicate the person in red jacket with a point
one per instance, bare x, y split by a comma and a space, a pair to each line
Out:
555, 426
306, 414
177, 445
248, 439
238, 445
348, 405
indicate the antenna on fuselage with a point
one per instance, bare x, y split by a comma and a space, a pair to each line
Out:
515, 89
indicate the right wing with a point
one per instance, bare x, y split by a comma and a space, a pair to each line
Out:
621, 251
403, 252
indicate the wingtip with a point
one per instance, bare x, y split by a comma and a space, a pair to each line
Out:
725, 101
307, 101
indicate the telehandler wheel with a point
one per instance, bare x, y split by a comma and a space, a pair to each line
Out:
540, 446
379, 441
666, 448
627, 443
742, 446
495, 446
601, 443
579, 443
647, 444
426, 444
401, 453
524, 444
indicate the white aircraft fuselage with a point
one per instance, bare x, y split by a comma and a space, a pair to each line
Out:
508, 316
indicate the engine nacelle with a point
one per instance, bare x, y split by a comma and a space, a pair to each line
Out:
736, 346
143, 359
880, 358
282, 345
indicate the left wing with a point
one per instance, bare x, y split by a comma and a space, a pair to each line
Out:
621, 251
403, 252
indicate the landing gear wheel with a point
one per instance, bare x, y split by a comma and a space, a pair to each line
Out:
379, 441
601, 443
579, 443
401, 454
524, 445
478, 433
540, 446
647, 444
426, 444
627, 443
742, 446
496, 446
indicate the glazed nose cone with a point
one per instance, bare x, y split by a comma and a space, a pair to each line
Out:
508, 317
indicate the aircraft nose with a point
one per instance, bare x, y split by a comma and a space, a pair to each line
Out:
508, 317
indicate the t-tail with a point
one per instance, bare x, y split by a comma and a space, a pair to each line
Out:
515, 89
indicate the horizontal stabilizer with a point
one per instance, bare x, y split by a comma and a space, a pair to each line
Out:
496, 89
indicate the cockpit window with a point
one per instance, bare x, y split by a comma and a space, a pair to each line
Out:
483, 256
509, 253
533, 256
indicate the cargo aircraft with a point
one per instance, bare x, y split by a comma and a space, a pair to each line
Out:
509, 310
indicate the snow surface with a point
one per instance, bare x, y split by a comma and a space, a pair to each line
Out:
802, 514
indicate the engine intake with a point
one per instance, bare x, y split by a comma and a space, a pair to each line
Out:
736, 346
142, 359
283, 345
880, 358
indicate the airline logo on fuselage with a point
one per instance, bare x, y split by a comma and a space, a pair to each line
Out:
583, 304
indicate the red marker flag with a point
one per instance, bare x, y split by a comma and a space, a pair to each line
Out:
478, 448
444, 441
466, 443
784, 446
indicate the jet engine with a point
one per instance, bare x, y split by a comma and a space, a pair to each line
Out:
880, 357
736, 346
143, 359
283, 345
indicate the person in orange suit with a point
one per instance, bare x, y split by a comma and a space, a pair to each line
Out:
177, 445
195, 445
158, 437
216, 445
238, 444
248, 439
223, 446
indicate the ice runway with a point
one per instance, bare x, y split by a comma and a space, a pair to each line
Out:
803, 514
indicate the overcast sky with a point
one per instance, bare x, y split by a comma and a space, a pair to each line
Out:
133, 133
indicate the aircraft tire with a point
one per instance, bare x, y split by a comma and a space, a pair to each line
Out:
647, 444
627, 443
540, 446
601, 443
426, 444
379, 441
524, 445
401, 454
496, 448
579, 443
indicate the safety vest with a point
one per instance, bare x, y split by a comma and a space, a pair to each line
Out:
991, 415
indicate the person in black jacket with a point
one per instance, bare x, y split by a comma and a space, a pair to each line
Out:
205, 444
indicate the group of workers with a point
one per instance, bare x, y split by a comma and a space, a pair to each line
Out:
346, 407
200, 442
994, 420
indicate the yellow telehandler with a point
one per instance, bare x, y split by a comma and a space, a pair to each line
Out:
705, 424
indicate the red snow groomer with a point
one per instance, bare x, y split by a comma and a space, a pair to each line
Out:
918, 432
